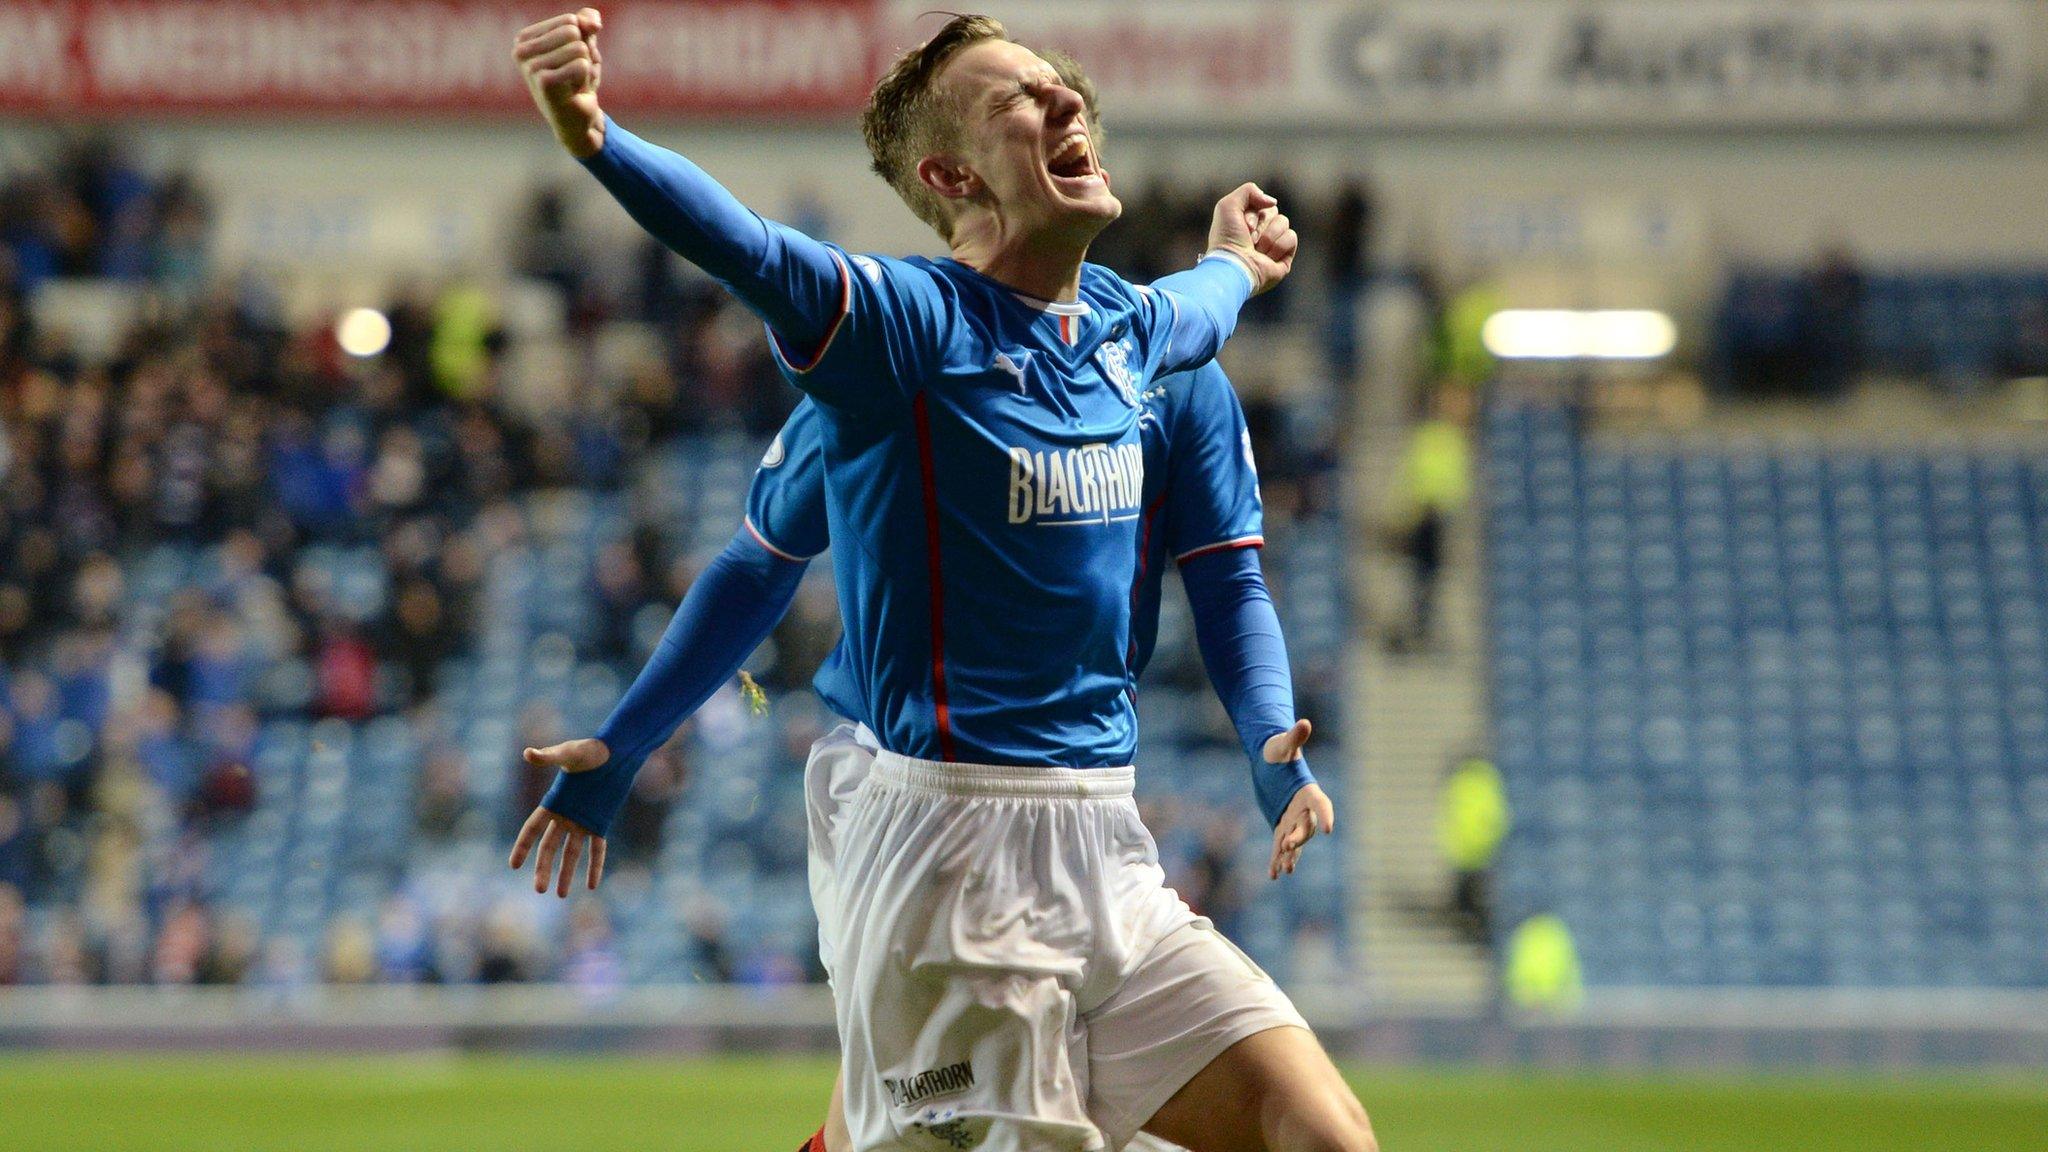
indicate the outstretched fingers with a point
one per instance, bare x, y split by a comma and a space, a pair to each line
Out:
529, 833
1306, 831
570, 852
1287, 842
1283, 841
550, 849
561, 843
1308, 815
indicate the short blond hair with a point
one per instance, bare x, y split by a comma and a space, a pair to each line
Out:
906, 118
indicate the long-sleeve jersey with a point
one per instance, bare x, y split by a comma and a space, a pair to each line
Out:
983, 460
1202, 510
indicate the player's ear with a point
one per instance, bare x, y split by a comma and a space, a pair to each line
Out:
948, 179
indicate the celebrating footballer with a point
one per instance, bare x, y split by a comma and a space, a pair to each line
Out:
1001, 446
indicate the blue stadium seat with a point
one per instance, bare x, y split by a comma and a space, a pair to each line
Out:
1774, 715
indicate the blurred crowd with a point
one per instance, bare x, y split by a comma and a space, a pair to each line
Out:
92, 212
128, 728
170, 521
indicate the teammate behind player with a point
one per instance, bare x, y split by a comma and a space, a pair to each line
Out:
1010, 969
1203, 513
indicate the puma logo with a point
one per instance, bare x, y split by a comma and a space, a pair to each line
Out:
1014, 367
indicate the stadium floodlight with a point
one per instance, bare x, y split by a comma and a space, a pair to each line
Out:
363, 332
1562, 334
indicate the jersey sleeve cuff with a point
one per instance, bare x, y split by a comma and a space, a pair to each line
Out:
1276, 785
588, 801
1253, 541
801, 365
1251, 278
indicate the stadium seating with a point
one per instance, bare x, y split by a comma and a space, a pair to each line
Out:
1959, 327
1772, 714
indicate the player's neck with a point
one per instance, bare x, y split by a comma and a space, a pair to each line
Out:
1046, 267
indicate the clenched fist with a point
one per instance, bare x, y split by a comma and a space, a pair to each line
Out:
1249, 225
559, 61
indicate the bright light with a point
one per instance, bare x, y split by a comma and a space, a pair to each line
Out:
1533, 335
363, 332
1555, 334
1632, 335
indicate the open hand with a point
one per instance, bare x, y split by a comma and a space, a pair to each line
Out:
559, 838
1249, 225
559, 61
1308, 813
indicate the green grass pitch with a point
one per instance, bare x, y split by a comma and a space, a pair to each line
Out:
448, 1103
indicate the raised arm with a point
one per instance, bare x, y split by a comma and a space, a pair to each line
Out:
1251, 248
793, 282
729, 610
1246, 657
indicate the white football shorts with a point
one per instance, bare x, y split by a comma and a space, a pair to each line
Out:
1010, 971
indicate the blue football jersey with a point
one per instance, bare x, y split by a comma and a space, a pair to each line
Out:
786, 515
786, 501
1200, 493
1203, 487
985, 488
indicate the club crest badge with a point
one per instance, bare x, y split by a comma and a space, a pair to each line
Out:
1114, 358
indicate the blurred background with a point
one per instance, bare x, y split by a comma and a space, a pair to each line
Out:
1654, 443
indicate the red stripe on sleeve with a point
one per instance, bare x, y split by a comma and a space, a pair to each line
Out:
931, 542
805, 364
1221, 546
763, 542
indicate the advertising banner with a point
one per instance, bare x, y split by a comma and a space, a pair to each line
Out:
1250, 63
1490, 63
404, 57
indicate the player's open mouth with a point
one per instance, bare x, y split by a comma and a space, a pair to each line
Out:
1072, 164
